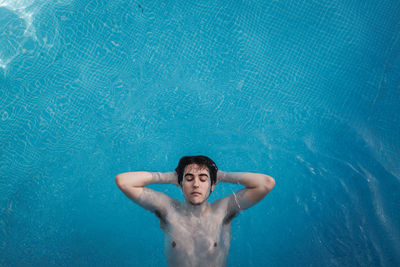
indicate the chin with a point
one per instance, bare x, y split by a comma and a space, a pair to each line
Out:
197, 202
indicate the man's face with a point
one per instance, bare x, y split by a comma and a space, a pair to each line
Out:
196, 183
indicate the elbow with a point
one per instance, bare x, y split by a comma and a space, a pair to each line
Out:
118, 180
269, 183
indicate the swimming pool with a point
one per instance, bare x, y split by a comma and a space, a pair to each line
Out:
306, 91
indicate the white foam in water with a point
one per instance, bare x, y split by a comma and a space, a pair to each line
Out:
21, 9
25, 10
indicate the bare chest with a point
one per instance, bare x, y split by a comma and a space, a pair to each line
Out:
197, 239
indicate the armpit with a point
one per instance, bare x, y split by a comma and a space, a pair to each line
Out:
154, 201
230, 217
160, 216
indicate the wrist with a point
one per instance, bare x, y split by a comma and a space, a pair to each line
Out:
220, 176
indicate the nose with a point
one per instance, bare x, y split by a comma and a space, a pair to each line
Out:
196, 183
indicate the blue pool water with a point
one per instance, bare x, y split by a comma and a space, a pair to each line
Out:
305, 91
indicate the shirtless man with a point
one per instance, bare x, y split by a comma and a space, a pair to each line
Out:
197, 232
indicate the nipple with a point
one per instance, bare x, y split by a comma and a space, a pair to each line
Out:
173, 244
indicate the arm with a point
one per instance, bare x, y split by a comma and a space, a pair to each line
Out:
257, 187
132, 184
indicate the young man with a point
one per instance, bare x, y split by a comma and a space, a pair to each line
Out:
197, 232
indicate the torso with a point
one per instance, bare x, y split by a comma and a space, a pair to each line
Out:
196, 239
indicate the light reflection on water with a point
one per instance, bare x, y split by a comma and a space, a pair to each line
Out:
92, 89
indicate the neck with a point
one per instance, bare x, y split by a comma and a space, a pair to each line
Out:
197, 210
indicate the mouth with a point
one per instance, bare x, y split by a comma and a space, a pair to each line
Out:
195, 194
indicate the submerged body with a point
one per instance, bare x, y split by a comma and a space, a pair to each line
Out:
196, 239
196, 235
196, 232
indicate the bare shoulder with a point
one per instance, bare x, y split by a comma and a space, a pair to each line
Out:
233, 204
220, 204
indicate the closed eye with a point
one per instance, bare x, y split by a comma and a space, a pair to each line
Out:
189, 177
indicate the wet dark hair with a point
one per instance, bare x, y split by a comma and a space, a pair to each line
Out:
199, 160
